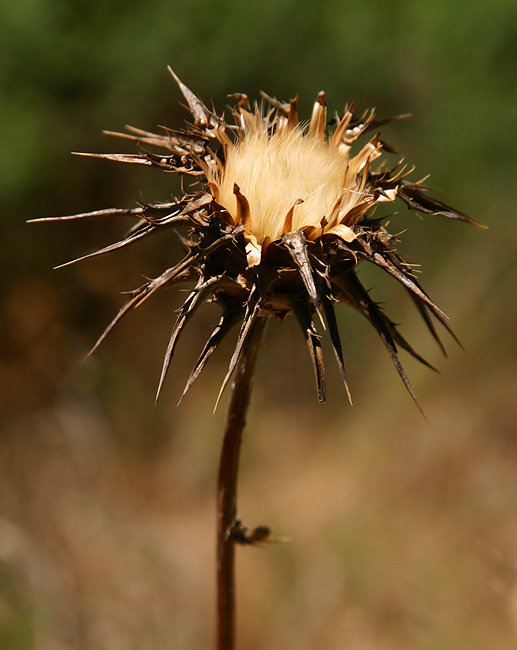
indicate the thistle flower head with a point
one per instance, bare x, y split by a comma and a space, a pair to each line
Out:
283, 217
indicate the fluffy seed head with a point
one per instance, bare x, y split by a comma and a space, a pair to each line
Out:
279, 172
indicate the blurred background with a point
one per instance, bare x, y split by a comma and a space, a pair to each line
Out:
403, 531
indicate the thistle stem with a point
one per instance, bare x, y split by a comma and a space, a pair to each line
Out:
227, 485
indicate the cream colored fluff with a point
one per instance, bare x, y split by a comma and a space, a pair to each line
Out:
274, 171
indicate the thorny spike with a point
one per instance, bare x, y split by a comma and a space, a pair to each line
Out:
416, 199
362, 301
395, 267
396, 271
187, 310
131, 239
228, 320
252, 313
442, 319
168, 141
401, 341
148, 159
199, 111
140, 295
108, 212
335, 339
132, 158
282, 107
296, 244
375, 124
302, 314
429, 323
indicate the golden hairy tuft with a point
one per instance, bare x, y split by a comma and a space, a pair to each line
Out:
279, 171
290, 179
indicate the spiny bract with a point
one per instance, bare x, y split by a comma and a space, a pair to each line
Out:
282, 222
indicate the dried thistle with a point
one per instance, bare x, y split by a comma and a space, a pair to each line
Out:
284, 217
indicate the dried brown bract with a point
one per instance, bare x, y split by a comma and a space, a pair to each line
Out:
284, 218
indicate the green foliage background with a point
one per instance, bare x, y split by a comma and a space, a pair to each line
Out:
404, 530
